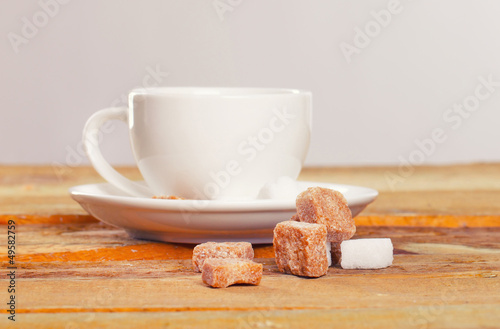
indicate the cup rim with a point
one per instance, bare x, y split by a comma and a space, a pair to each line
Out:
229, 92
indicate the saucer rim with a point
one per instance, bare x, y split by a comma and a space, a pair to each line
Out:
364, 195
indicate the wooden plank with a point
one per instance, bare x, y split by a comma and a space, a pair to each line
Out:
186, 292
465, 177
461, 264
415, 220
437, 315
97, 242
459, 190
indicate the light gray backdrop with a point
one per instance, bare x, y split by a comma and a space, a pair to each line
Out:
394, 82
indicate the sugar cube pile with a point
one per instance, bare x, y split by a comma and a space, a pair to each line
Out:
314, 239
366, 253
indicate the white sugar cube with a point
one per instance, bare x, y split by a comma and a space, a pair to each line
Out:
366, 253
329, 253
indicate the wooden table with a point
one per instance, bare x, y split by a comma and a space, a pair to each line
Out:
73, 271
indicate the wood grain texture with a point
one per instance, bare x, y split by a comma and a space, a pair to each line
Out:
445, 190
436, 315
76, 272
437, 273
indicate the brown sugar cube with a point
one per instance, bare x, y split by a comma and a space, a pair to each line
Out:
336, 253
301, 248
220, 250
224, 272
326, 206
295, 218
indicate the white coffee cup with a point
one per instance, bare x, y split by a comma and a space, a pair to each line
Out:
208, 143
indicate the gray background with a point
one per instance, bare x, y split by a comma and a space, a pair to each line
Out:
397, 88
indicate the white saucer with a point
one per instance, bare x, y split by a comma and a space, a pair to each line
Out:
197, 221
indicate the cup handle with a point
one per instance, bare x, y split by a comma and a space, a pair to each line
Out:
91, 144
